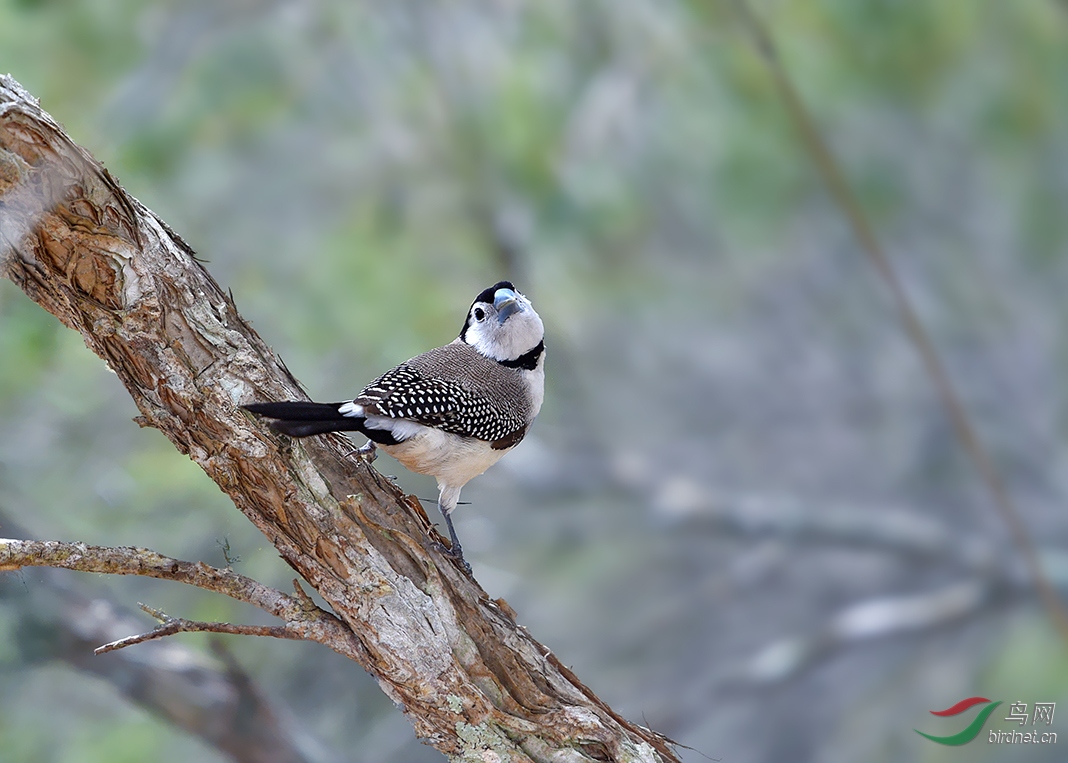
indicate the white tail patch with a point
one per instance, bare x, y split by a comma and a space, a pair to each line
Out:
351, 409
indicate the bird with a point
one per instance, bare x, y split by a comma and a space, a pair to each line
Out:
451, 412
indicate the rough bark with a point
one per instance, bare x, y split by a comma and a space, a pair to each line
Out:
471, 681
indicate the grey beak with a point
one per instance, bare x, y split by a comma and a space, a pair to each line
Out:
506, 303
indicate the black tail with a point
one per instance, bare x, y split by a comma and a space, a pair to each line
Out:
299, 419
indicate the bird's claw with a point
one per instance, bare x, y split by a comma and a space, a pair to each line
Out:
455, 553
368, 452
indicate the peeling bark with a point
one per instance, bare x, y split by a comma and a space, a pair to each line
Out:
471, 681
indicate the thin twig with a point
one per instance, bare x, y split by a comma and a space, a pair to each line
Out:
839, 189
170, 625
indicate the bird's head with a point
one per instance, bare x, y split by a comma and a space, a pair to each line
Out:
502, 324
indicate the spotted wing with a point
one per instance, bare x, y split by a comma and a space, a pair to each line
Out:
448, 404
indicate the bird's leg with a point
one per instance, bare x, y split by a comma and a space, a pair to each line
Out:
447, 500
455, 550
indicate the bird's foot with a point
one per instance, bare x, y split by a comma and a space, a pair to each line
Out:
455, 552
368, 452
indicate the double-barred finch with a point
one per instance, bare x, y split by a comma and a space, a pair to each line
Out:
451, 412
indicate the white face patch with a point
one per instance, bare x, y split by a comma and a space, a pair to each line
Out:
520, 333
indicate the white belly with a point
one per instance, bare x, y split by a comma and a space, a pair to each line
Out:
453, 459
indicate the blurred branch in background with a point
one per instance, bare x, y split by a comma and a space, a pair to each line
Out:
828, 168
876, 618
993, 579
59, 617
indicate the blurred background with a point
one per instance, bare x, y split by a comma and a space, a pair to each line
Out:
742, 517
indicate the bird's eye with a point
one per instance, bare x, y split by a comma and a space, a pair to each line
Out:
480, 314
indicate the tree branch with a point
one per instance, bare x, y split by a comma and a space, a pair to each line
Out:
471, 681
59, 617
303, 619
168, 626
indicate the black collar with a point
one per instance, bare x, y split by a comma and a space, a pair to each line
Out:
528, 360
